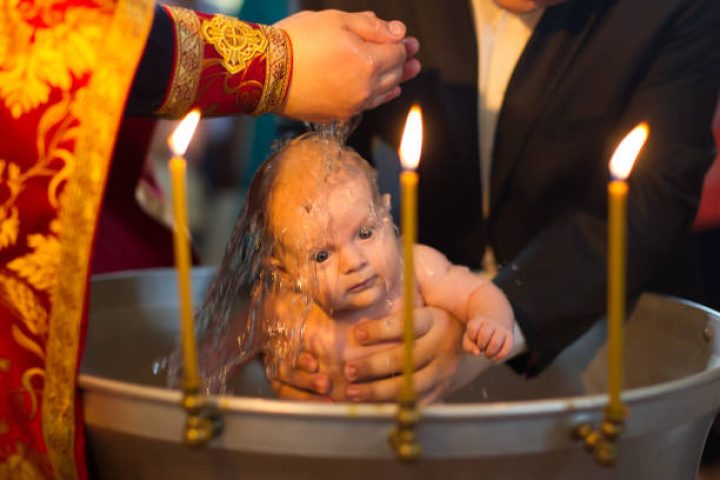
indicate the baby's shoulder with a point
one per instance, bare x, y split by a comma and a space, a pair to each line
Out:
428, 259
423, 251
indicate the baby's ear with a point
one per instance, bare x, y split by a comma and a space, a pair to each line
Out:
274, 264
386, 201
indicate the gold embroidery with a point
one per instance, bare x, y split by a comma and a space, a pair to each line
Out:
22, 300
5, 364
236, 41
27, 343
39, 267
55, 134
9, 218
277, 72
9, 226
188, 62
34, 60
26, 381
99, 111
20, 466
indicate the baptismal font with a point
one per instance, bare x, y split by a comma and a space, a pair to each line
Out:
502, 425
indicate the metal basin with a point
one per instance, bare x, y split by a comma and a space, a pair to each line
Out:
502, 426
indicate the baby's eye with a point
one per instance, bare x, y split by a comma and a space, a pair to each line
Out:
365, 233
320, 257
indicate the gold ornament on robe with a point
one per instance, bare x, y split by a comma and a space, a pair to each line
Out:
236, 42
35, 60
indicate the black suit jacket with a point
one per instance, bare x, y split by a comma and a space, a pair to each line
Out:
591, 71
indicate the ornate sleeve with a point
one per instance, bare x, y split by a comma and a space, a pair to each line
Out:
223, 65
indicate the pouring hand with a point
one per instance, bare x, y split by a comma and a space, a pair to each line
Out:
345, 63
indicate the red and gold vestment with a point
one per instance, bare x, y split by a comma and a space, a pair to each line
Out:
66, 70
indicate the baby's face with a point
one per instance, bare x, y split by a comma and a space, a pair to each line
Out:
340, 246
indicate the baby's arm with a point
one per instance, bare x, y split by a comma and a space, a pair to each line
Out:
476, 301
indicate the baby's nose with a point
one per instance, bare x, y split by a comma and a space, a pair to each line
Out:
353, 260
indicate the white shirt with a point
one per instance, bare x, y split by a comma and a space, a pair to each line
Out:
501, 38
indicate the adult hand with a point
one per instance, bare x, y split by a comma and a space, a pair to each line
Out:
294, 372
317, 372
437, 356
301, 381
344, 63
440, 365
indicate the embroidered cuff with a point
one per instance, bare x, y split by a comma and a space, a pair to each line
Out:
224, 66
187, 63
277, 73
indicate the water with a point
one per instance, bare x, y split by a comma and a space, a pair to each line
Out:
260, 302
159, 365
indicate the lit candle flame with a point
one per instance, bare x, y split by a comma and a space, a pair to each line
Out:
627, 151
412, 138
180, 139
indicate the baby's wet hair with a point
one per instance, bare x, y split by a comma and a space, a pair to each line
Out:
336, 160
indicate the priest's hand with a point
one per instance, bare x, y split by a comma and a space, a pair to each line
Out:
345, 63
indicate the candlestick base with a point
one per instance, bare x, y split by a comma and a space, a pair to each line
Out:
602, 442
203, 422
403, 439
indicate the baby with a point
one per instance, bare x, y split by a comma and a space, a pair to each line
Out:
334, 243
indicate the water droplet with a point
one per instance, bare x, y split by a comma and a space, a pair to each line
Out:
158, 365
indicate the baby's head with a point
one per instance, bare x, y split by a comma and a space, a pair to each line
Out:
331, 230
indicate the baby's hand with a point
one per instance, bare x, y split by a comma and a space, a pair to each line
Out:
488, 336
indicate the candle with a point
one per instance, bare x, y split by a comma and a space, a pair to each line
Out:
410, 148
621, 164
179, 141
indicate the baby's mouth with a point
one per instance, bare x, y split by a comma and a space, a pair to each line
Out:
364, 285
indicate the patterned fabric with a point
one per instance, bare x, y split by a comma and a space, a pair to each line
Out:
242, 67
58, 61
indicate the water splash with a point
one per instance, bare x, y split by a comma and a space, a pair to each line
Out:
159, 365
236, 320
337, 131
